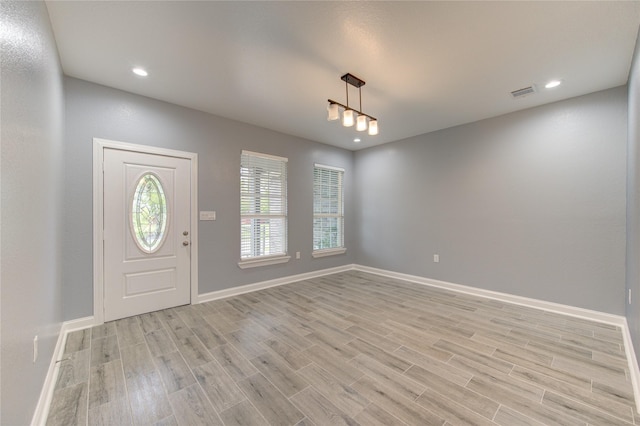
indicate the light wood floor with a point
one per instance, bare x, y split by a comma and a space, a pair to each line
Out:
349, 348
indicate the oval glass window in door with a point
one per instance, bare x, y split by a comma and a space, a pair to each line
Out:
149, 213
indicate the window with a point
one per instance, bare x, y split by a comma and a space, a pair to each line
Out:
263, 209
328, 211
148, 216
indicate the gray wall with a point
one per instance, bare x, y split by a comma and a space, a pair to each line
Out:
98, 111
530, 203
633, 201
32, 109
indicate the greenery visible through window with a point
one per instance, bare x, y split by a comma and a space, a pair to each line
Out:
263, 205
328, 208
149, 213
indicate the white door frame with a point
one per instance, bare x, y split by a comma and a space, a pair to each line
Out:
99, 146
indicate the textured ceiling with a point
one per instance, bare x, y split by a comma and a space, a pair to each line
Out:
427, 65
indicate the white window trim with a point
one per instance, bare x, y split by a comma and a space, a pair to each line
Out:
324, 166
260, 154
335, 250
254, 262
328, 252
263, 261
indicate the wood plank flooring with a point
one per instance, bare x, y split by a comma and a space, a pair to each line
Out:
346, 349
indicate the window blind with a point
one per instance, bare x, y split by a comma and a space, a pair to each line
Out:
328, 207
263, 205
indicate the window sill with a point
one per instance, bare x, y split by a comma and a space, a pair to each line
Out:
254, 263
328, 252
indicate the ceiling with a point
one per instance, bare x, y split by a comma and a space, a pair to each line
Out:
427, 65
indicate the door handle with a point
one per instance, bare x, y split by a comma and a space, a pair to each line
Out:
185, 243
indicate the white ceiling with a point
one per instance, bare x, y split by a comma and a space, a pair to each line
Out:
427, 65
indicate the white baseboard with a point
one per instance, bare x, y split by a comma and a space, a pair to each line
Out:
559, 308
42, 409
78, 324
44, 402
248, 288
634, 371
573, 311
46, 394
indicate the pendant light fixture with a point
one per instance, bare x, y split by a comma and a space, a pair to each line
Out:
347, 118
332, 112
350, 115
361, 123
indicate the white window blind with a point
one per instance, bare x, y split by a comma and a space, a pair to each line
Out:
263, 205
328, 208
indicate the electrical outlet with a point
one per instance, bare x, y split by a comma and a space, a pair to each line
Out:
436, 258
297, 255
35, 349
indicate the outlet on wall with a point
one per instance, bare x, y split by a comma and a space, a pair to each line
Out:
297, 255
436, 258
35, 349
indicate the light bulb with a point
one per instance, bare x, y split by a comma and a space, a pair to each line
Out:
332, 112
552, 84
373, 127
347, 118
361, 123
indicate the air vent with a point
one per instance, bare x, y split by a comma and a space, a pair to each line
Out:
520, 93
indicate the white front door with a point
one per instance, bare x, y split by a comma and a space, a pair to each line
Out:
147, 235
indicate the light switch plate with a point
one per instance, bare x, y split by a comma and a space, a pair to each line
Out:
207, 215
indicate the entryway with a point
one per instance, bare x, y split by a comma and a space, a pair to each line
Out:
147, 228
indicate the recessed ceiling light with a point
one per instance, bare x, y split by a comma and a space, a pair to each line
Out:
140, 71
356, 140
552, 84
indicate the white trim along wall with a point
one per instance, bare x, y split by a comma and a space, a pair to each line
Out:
42, 409
46, 394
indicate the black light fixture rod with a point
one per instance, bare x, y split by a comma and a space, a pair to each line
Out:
331, 101
346, 88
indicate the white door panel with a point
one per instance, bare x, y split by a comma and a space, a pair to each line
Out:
147, 254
